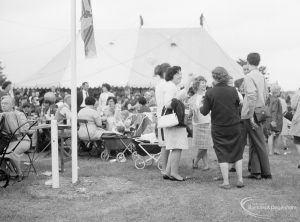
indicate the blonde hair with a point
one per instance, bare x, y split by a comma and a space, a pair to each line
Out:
275, 89
10, 99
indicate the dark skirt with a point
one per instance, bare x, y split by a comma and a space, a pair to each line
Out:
227, 143
297, 140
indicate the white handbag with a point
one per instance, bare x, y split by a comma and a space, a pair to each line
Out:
168, 120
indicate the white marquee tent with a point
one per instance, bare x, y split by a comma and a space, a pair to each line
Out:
128, 57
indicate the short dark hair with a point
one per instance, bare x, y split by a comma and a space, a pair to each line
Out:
107, 86
159, 70
26, 105
253, 59
238, 82
171, 72
113, 98
5, 84
142, 100
24, 97
84, 83
221, 75
47, 101
90, 101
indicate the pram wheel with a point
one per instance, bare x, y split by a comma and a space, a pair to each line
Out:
149, 162
159, 165
134, 155
120, 157
4, 179
139, 163
104, 155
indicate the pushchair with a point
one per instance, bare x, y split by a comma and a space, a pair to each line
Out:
123, 144
147, 149
147, 153
117, 143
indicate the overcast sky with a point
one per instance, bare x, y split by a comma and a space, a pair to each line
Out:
38, 29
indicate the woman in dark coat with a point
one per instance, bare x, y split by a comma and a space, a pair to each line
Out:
223, 102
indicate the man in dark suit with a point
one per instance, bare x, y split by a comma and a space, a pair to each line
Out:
81, 95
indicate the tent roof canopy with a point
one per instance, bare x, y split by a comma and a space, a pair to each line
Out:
129, 56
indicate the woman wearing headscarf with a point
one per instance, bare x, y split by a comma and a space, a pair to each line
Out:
223, 103
20, 144
201, 124
175, 137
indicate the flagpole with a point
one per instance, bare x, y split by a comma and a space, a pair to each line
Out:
74, 93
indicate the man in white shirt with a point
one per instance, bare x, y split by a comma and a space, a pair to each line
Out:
255, 97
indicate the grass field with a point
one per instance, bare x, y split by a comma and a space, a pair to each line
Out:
119, 192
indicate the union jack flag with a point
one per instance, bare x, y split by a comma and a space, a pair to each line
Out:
87, 29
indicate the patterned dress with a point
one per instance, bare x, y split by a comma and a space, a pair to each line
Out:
201, 124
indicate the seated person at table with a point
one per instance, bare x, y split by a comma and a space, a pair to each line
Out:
150, 98
13, 120
26, 109
112, 113
94, 124
64, 111
47, 109
142, 107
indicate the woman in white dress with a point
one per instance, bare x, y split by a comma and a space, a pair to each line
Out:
175, 137
160, 71
112, 114
104, 96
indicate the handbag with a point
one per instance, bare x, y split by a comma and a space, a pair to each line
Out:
167, 120
262, 113
4, 137
4, 141
288, 115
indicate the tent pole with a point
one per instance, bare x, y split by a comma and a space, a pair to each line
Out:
74, 93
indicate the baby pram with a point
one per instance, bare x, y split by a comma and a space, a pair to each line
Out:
124, 143
147, 150
147, 153
116, 142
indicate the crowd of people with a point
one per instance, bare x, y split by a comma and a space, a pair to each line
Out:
225, 116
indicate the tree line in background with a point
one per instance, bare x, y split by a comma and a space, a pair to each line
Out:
2, 75
262, 69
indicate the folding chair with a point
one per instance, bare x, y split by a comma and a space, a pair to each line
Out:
31, 154
89, 145
7, 166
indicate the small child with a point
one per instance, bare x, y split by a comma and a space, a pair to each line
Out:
142, 105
